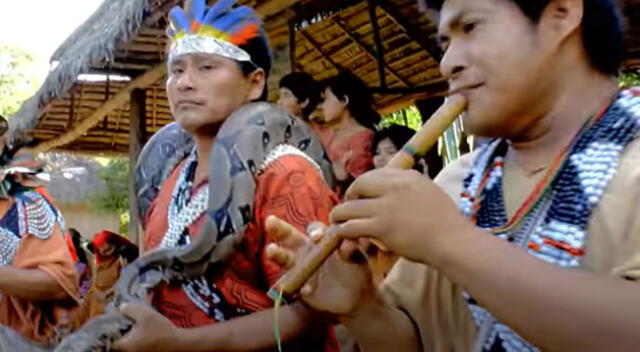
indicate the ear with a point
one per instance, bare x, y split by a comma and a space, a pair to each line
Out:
345, 101
305, 103
561, 19
257, 82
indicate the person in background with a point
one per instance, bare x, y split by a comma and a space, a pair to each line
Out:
112, 253
350, 121
38, 280
299, 95
388, 141
84, 266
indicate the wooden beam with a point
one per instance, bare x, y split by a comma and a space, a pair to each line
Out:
432, 48
137, 137
379, 48
146, 79
368, 51
316, 46
273, 7
438, 88
160, 12
292, 45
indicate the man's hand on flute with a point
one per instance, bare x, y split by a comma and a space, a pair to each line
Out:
403, 210
339, 285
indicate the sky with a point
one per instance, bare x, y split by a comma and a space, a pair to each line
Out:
40, 26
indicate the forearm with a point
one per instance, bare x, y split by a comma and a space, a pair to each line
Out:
376, 326
556, 309
253, 332
30, 284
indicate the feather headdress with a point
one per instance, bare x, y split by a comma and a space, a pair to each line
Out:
220, 29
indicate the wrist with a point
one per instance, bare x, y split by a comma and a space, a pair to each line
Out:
368, 307
454, 248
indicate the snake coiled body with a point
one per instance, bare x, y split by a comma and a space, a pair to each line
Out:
243, 147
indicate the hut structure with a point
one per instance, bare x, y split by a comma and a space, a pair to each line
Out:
105, 91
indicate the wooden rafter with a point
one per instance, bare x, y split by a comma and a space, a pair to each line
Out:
432, 48
316, 46
142, 81
376, 38
368, 51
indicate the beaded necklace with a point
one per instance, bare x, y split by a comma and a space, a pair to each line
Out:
552, 223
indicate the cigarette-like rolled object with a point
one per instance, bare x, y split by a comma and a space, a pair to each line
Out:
291, 282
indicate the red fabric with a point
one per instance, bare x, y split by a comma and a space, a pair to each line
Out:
359, 145
72, 248
101, 238
292, 189
43, 192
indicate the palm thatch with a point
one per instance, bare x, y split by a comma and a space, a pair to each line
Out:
96, 39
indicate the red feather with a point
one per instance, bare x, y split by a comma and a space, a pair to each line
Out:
245, 34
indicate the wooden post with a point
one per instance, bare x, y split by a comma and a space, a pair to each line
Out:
137, 134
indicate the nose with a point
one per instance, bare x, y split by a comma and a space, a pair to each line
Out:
453, 62
185, 81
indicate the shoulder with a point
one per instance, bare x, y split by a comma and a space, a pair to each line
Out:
36, 215
451, 178
294, 169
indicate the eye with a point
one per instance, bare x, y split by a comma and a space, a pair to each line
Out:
206, 67
177, 71
469, 27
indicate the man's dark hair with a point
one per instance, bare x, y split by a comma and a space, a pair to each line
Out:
602, 29
261, 57
303, 87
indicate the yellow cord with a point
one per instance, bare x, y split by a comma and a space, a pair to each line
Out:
276, 330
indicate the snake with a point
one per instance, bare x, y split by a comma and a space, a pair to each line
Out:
250, 139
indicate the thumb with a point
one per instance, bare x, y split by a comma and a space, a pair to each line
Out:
135, 311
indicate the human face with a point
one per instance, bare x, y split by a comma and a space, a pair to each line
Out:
289, 102
332, 108
204, 89
502, 63
106, 250
384, 152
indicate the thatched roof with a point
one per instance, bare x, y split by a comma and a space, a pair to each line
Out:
113, 21
127, 38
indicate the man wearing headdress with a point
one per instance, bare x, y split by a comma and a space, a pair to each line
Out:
38, 280
219, 59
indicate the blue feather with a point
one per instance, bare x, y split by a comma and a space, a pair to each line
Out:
235, 18
179, 19
218, 9
197, 9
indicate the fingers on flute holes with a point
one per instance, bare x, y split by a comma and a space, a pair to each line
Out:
280, 255
284, 232
316, 231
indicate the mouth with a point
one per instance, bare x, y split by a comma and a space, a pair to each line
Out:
189, 103
464, 89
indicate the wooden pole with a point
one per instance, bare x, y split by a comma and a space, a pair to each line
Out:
137, 134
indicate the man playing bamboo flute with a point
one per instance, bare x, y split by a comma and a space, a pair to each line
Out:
218, 61
531, 242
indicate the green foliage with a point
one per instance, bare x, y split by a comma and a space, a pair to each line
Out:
630, 79
115, 197
448, 144
17, 81
409, 117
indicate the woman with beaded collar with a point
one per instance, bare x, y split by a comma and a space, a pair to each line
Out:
38, 280
218, 60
